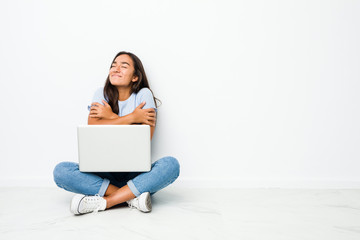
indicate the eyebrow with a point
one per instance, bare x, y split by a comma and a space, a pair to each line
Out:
122, 63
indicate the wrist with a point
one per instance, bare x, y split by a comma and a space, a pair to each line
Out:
114, 116
131, 118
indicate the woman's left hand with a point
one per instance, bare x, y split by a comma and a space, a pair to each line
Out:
98, 110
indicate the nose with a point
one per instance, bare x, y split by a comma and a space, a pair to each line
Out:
116, 69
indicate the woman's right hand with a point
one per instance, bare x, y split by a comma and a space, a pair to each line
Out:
145, 116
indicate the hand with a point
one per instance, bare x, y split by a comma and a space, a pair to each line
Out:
98, 110
145, 116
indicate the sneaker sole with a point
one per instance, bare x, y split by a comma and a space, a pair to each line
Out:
75, 203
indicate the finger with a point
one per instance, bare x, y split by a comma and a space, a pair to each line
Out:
97, 108
105, 103
141, 105
150, 110
94, 108
151, 114
150, 123
95, 104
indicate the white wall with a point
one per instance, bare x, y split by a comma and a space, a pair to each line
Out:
255, 93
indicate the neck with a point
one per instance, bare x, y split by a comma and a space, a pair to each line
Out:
124, 93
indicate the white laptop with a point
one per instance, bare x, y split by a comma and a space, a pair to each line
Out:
114, 148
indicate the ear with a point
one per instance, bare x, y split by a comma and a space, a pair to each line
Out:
135, 78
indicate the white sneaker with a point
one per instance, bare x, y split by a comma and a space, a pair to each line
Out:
142, 202
81, 204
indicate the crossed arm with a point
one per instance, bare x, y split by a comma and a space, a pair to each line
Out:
103, 114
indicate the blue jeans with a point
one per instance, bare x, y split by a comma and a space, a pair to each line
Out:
163, 172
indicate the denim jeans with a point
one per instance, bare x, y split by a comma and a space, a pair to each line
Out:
163, 172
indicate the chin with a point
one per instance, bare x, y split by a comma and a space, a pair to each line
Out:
115, 83
119, 84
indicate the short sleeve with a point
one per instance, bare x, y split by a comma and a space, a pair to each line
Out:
98, 97
146, 95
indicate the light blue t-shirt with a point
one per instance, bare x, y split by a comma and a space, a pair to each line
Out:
128, 106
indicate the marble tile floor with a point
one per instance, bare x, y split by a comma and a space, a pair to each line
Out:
187, 213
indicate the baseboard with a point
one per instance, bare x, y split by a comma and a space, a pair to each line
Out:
268, 183
188, 182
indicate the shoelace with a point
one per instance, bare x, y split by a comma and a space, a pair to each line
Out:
92, 203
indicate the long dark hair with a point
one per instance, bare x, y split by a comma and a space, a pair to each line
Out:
111, 93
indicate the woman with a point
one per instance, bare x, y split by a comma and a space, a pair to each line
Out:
125, 99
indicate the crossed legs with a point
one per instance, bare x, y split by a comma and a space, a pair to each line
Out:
115, 195
163, 172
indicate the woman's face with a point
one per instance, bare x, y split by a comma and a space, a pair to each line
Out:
122, 71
